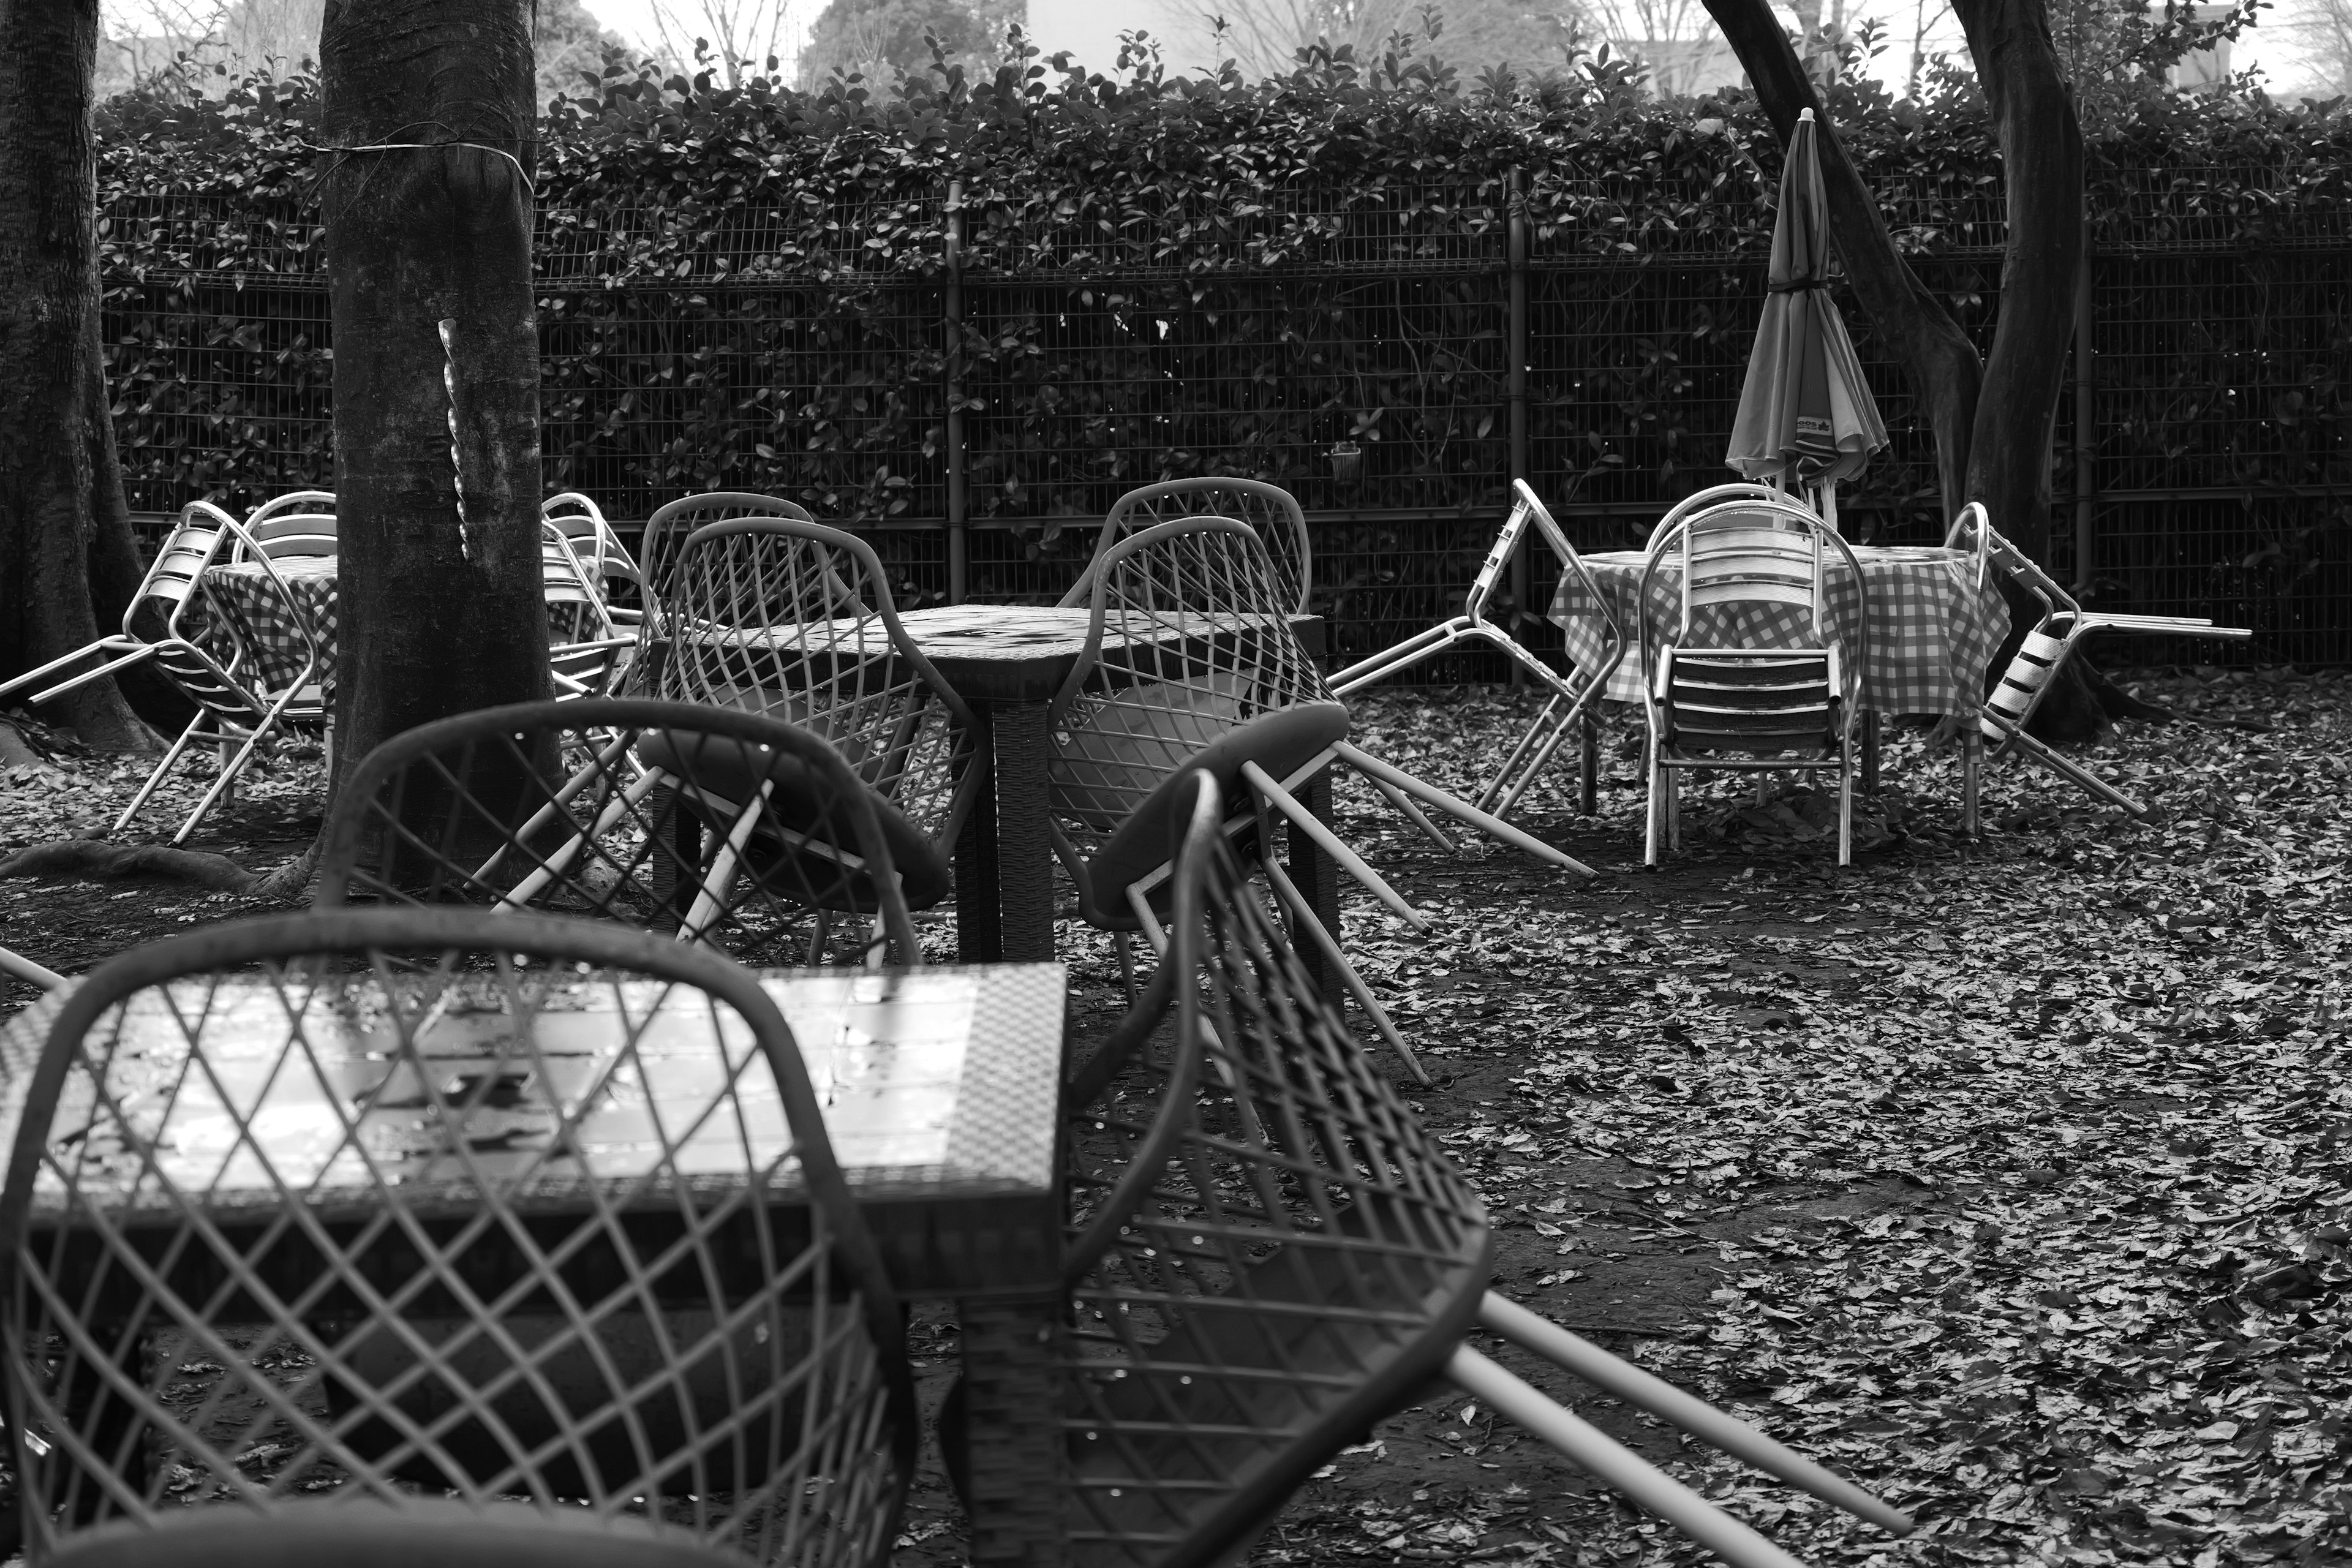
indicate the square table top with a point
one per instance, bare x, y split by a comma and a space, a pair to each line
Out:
939, 1089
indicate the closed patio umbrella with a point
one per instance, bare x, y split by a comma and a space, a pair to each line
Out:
1806, 417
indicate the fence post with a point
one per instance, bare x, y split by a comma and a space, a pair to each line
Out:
2086, 436
1516, 375
959, 543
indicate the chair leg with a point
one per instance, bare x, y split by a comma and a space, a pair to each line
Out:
1675, 810
1870, 732
1588, 767
1510, 777
1493, 826
1303, 921
1590, 1450
155, 778
1971, 772
1414, 814
1656, 814
1845, 801
1272, 793
2070, 769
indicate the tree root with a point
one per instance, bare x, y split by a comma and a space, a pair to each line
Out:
94, 857
2117, 703
16, 751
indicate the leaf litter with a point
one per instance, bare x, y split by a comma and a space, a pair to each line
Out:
2009, 1177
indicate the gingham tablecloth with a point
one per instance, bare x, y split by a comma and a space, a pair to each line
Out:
1932, 632
242, 594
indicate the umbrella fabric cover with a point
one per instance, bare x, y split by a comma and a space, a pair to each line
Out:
1806, 417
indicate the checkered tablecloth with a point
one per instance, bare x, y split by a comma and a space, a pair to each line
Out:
241, 594
1931, 630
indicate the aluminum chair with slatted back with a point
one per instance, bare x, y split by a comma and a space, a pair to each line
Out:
720, 826
676, 522
415, 1207
795, 620
609, 564
1270, 1253
372, 1535
299, 524
1191, 663
245, 696
1574, 694
1271, 511
159, 613
1786, 695
585, 648
2064, 625
1714, 495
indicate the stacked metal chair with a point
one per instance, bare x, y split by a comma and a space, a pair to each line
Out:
1269, 1253
1190, 665
1753, 676
2063, 626
795, 621
298, 523
718, 825
598, 545
497, 1270
1574, 695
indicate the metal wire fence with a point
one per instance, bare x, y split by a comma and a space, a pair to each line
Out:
981, 404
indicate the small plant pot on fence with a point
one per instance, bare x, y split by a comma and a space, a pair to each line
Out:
1347, 463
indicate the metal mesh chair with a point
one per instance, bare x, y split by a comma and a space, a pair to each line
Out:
1754, 676
598, 544
301, 523
795, 620
371, 1535
241, 694
1274, 512
674, 522
1574, 695
720, 826
404, 1206
584, 645
1190, 664
2064, 625
159, 613
1269, 1252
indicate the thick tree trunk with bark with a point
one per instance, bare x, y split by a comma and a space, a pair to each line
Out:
441, 606
68, 563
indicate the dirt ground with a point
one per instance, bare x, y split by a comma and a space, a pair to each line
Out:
2007, 1175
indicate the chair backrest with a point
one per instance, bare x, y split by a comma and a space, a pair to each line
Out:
1269, 508
257, 669
484, 1204
795, 620
581, 521
623, 809
1527, 510
1273, 1253
1714, 495
301, 523
1743, 556
671, 525
195, 543
1188, 639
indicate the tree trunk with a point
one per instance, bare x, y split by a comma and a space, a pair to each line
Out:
66, 558
1938, 358
2042, 169
441, 608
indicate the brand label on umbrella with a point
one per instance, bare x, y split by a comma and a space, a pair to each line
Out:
1812, 424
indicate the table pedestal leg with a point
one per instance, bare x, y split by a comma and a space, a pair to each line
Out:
1318, 878
1024, 849
1019, 1477
1870, 751
979, 929
1588, 765
1971, 772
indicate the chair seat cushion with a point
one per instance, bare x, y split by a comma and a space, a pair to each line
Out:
719, 765
1280, 742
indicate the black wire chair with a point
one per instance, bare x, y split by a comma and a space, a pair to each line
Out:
1269, 1253
719, 825
795, 621
676, 522
1271, 511
406, 1205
